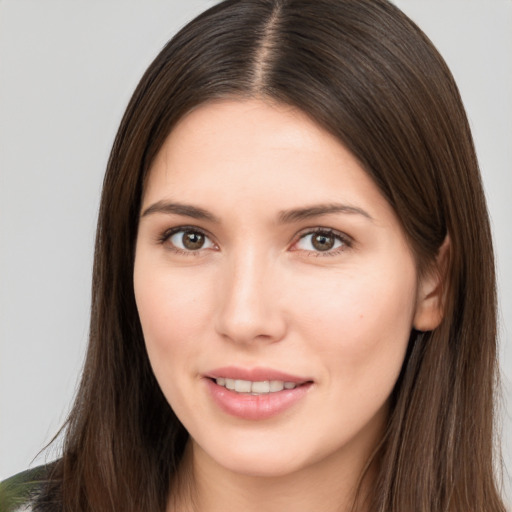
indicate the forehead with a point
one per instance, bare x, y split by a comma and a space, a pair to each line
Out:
235, 153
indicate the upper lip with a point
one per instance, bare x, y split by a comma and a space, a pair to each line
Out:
256, 374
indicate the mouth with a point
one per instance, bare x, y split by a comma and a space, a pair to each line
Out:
256, 394
262, 387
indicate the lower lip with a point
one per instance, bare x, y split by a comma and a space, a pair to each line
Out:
256, 407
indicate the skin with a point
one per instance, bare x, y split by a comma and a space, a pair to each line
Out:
258, 293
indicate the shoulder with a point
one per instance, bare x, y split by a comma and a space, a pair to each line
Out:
18, 492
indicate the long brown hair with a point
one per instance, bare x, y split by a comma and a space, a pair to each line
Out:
367, 74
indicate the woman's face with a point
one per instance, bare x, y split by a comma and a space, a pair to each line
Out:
268, 261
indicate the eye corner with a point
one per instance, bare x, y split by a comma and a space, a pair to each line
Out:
193, 247
329, 242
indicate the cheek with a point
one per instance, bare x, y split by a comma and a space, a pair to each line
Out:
361, 323
173, 310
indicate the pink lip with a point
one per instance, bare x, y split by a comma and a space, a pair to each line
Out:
257, 374
255, 407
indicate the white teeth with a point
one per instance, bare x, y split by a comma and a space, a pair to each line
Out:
260, 387
255, 388
277, 385
243, 386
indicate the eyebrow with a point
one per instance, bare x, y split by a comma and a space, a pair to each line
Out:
180, 209
284, 216
298, 214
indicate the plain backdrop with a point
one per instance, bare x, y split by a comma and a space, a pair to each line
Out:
67, 70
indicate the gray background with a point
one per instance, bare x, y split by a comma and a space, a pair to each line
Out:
67, 69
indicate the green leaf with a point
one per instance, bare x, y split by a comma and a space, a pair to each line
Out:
19, 489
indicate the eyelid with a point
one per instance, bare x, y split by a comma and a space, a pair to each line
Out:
347, 240
168, 233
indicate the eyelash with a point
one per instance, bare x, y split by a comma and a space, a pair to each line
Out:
345, 240
166, 236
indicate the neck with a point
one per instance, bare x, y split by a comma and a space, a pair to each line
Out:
204, 486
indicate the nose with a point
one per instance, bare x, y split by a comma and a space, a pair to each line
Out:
248, 306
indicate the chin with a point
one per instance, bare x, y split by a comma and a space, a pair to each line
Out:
260, 466
255, 460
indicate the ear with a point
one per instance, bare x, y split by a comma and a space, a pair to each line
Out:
431, 296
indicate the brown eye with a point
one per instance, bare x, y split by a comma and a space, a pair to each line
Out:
193, 241
190, 240
322, 241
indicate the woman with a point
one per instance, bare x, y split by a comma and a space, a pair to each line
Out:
293, 284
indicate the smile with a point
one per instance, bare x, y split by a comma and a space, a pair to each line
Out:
256, 393
255, 387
